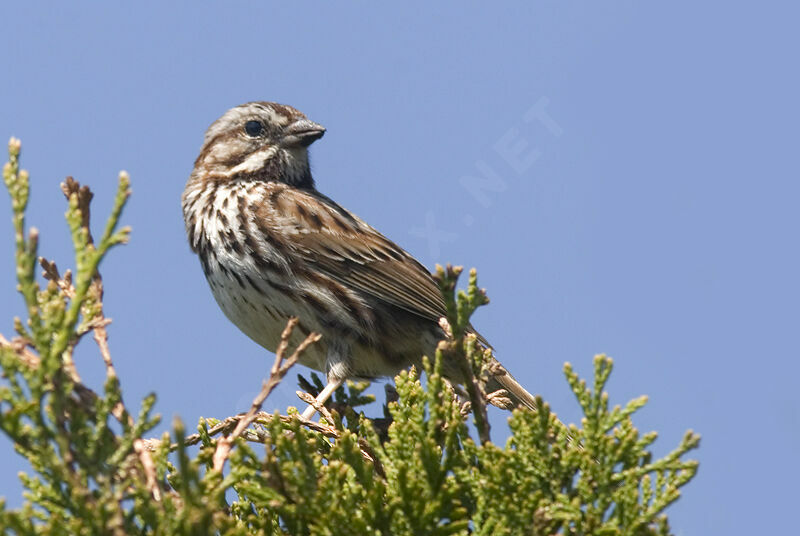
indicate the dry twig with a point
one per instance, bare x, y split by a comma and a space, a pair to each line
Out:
279, 369
149, 467
320, 408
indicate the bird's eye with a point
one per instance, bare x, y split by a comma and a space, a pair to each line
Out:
253, 128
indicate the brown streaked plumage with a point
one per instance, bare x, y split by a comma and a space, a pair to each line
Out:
273, 247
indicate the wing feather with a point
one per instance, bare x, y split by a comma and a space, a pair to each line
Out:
338, 244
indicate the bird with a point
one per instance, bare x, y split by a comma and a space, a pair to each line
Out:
273, 247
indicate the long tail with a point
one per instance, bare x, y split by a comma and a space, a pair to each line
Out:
502, 379
519, 396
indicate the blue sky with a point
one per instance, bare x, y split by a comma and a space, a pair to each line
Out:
639, 195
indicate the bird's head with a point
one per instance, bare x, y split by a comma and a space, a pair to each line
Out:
260, 141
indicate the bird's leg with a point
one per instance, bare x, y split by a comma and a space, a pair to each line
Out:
322, 397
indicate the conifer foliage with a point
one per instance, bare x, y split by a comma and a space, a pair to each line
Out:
423, 467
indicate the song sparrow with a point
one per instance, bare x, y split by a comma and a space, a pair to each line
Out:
272, 247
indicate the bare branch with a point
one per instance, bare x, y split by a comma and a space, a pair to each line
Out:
279, 369
259, 437
320, 408
149, 467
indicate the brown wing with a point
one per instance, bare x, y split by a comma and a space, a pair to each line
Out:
340, 245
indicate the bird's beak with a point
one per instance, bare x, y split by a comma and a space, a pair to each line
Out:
302, 133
